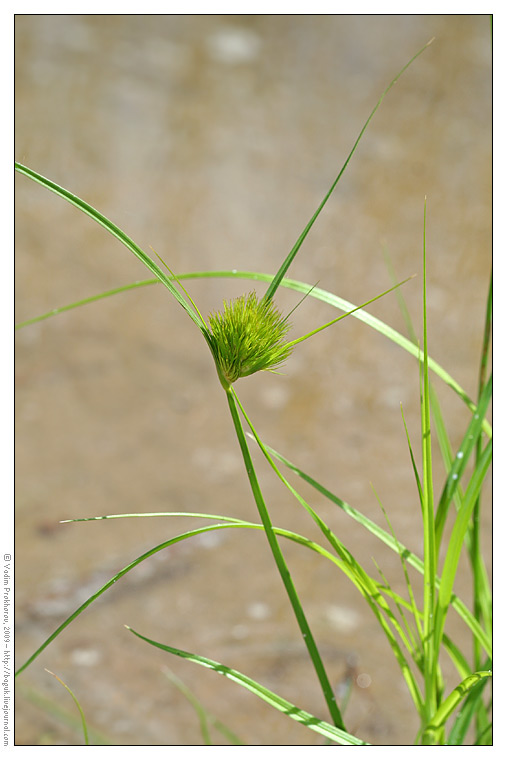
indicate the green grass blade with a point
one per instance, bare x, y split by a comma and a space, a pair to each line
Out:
486, 337
76, 702
455, 467
283, 570
467, 713
458, 463
116, 232
347, 314
441, 716
485, 737
204, 515
387, 539
292, 254
482, 589
452, 490
321, 295
407, 635
457, 538
85, 301
229, 523
301, 716
363, 582
290, 535
458, 658
110, 583
408, 584
412, 459
57, 713
430, 555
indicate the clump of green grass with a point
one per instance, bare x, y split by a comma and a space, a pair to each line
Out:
250, 335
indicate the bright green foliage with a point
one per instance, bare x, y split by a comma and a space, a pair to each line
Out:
248, 336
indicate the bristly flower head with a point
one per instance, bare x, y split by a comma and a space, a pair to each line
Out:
248, 336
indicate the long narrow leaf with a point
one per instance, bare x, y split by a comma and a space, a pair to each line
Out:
457, 538
281, 564
467, 713
387, 539
300, 287
67, 717
76, 702
452, 701
466, 448
229, 523
288, 261
116, 232
482, 588
462, 665
408, 584
272, 699
85, 301
430, 554
365, 584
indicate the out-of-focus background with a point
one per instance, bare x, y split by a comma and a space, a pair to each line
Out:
212, 139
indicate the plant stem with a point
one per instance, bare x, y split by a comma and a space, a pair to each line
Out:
482, 593
482, 601
430, 560
282, 567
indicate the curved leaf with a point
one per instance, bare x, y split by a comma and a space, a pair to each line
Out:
301, 287
272, 699
452, 701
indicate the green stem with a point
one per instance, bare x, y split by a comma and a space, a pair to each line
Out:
482, 594
430, 560
282, 567
481, 590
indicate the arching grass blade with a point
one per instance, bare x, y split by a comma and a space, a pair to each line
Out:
289, 709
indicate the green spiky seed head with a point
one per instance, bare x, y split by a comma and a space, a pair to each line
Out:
248, 336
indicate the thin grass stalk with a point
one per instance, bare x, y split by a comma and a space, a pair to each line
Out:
413, 604
456, 464
457, 538
118, 233
355, 572
56, 712
287, 708
275, 283
430, 563
482, 604
452, 491
304, 627
439, 719
76, 702
409, 639
470, 709
412, 459
230, 523
385, 537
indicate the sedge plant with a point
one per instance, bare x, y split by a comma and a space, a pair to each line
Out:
251, 335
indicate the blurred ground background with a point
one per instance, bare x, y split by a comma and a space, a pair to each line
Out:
213, 139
